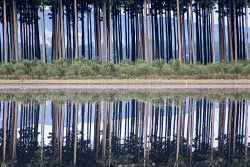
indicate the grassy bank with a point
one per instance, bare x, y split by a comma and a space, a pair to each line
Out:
127, 70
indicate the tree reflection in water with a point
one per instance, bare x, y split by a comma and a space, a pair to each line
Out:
172, 132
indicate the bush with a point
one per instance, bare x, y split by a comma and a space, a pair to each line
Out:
235, 68
20, 69
110, 68
167, 70
74, 69
86, 71
62, 69
7, 69
39, 70
59, 68
246, 69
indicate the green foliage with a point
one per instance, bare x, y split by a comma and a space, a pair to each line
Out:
57, 69
82, 69
7, 69
39, 70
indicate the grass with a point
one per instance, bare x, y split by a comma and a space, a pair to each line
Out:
82, 69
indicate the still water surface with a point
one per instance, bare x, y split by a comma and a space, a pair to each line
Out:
94, 130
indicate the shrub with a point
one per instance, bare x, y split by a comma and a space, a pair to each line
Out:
246, 69
140, 69
167, 70
110, 68
86, 70
20, 69
57, 69
73, 69
158, 64
8, 69
235, 68
215, 68
39, 70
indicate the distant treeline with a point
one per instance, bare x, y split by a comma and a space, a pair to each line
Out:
118, 30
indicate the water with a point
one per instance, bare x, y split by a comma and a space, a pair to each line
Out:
124, 128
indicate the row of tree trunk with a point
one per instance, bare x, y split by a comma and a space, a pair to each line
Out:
133, 30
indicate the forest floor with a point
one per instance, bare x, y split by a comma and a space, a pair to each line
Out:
125, 84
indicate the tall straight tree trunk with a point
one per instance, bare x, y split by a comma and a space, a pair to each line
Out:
183, 38
83, 30
246, 31
191, 34
15, 29
145, 24
235, 33
54, 33
76, 29
230, 32
62, 30
110, 34
5, 32
36, 38
105, 47
43, 34
212, 34
179, 32
11, 28
97, 31
88, 34
59, 41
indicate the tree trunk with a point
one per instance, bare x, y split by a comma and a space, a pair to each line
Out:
105, 32
43, 34
110, 34
191, 34
230, 32
179, 32
212, 34
246, 32
97, 31
145, 24
235, 33
5, 32
76, 29
62, 30
15, 29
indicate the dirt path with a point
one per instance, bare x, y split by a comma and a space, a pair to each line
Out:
123, 84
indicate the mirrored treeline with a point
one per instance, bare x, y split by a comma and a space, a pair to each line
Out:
173, 131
